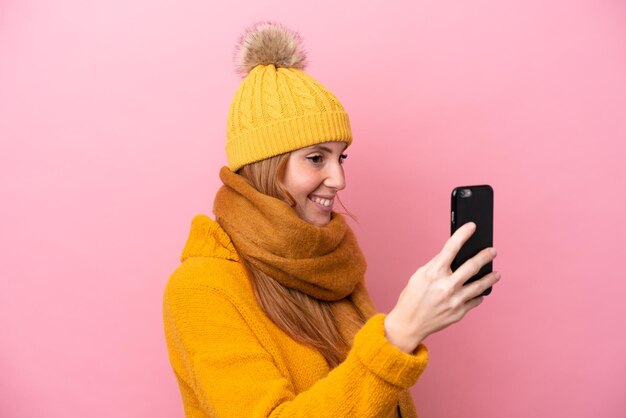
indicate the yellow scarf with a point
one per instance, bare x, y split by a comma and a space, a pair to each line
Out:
324, 262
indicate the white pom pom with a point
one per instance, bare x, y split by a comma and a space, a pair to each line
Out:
269, 43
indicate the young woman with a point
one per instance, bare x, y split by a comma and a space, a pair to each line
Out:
268, 315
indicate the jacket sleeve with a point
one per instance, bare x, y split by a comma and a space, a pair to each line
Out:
221, 360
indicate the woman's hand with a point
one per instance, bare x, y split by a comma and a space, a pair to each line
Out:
435, 296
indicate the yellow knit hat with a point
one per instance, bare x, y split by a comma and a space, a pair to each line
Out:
278, 107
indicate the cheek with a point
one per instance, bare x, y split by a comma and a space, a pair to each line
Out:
303, 195
301, 182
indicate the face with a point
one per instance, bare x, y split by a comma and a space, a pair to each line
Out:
313, 177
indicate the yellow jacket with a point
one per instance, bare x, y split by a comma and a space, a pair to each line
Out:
230, 360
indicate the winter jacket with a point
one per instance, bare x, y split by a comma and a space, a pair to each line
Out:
231, 360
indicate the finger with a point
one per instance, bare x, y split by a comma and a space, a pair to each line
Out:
471, 267
475, 289
472, 303
454, 244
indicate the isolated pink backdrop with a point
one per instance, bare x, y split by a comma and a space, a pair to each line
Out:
112, 127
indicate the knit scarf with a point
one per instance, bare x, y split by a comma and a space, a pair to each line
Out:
323, 262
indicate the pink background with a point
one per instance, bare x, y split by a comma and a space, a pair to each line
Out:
112, 127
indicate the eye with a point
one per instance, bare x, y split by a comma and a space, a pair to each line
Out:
316, 159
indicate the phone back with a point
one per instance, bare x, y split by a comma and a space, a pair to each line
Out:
473, 204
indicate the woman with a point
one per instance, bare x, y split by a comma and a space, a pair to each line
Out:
268, 314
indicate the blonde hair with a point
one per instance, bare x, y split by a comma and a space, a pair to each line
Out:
304, 318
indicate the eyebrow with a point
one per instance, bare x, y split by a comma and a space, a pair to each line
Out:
323, 148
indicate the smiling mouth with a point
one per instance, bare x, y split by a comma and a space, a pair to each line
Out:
324, 204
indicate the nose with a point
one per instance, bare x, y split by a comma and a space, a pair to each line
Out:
335, 178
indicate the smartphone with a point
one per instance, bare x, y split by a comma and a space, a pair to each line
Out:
473, 204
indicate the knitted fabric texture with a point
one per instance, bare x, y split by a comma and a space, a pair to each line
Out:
278, 107
277, 110
324, 262
230, 360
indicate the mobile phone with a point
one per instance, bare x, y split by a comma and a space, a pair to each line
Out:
473, 204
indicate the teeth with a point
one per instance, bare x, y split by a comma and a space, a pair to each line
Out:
324, 202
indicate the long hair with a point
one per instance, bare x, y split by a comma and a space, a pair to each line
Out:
304, 318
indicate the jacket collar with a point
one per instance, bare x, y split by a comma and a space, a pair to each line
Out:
208, 239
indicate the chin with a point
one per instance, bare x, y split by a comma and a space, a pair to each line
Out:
321, 220
315, 218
